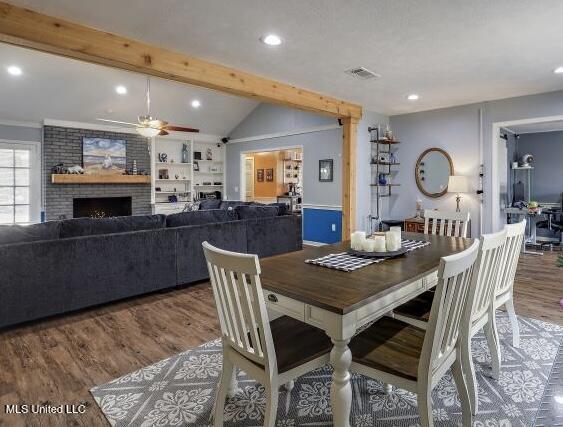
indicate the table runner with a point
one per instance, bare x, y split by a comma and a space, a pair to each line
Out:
344, 261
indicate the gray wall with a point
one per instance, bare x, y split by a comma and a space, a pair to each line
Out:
64, 145
266, 119
20, 133
547, 176
457, 130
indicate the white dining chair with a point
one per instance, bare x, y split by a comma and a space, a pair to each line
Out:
273, 353
415, 359
478, 312
444, 223
504, 289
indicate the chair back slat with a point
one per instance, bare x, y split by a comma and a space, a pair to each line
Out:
454, 276
512, 248
443, 223
245, 327
486, 275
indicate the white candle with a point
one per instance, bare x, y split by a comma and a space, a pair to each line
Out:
396, 230
369, 245
357, 240
379, 243
393, 241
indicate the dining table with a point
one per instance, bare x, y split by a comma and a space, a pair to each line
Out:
342, 302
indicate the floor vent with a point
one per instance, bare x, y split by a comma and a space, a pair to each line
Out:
362, 73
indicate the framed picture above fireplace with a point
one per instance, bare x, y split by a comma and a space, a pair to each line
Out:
101, 156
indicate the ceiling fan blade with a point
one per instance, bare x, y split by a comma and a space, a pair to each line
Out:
117, 121
180, 129
163, 133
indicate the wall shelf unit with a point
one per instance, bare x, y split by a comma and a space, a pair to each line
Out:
181, 175
382, 164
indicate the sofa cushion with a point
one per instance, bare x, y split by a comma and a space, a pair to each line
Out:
283, 208
252, 211
29, 233
206, 204
232, 204
200, 217
121, 224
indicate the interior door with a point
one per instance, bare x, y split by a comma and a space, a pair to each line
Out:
20, 183
249, 179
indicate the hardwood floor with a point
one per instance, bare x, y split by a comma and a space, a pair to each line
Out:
57, 361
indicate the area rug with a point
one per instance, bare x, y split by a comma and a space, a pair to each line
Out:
181, 390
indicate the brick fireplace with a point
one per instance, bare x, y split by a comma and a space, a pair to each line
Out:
64, 145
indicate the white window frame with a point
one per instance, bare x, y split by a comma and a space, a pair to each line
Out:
34, 148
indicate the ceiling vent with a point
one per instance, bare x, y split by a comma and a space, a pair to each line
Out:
363, 73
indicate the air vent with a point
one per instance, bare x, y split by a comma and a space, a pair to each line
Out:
363, 73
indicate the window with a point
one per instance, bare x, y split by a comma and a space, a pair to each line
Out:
18, 184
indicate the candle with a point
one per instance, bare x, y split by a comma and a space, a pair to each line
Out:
357, 239
393, 241
369, 245
379, 243
396, 230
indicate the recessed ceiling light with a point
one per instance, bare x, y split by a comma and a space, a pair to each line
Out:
122, 90
558, 70
14, 70
271, 40
196, 103
412, 97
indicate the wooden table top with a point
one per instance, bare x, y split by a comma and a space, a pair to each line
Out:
342, 292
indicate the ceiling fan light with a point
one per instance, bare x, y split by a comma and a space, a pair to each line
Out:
148, 132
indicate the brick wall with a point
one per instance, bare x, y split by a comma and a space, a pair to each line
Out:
64, 145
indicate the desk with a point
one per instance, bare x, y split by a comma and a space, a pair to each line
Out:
340, 302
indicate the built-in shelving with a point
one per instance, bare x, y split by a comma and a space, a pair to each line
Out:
177, 176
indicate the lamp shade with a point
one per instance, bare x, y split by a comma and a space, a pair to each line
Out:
458, 184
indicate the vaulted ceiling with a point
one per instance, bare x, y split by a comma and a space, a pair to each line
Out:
449, 52
53, 87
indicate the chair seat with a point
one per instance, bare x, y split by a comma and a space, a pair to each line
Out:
297, 342
391, 346
417, 308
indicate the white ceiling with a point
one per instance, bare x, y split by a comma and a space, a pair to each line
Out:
537, 127
450, 52
58, 88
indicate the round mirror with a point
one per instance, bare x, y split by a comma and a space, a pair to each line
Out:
433, 169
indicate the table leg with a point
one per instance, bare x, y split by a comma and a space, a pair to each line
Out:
341, 389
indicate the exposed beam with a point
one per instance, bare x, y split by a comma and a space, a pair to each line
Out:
349, 138
27, 28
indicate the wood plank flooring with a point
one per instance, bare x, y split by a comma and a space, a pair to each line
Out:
59, 360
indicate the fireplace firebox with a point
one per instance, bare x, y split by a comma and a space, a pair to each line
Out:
101, 207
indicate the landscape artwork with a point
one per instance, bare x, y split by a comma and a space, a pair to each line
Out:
101, 156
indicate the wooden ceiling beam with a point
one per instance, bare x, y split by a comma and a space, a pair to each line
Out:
27, 28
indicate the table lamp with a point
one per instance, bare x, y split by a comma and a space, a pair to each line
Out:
458, 184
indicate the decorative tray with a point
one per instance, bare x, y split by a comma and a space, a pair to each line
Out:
389, 254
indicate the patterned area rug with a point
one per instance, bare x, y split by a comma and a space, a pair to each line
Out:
181, 390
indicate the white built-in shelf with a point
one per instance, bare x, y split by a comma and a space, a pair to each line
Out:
173, 180
208, 185
523, 168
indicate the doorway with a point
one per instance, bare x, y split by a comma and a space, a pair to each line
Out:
271, 175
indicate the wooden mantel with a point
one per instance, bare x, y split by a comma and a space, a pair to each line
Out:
99, 179
27, 28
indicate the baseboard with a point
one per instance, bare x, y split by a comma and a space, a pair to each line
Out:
309, 243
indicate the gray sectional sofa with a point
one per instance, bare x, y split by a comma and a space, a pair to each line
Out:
61, 266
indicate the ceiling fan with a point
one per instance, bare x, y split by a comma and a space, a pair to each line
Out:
149, 126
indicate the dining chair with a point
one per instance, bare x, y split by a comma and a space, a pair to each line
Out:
415, 359
273, 353
478, 312
504, 289
444, 223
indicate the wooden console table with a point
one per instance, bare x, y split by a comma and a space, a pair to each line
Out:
416, 225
